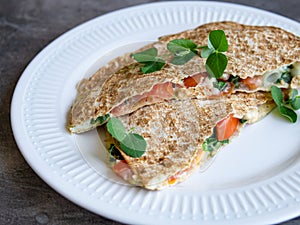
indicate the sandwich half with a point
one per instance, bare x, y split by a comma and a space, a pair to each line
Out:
258, 57
183, 134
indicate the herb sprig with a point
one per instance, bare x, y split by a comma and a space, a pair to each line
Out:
286, 107
183, 50
132, 144
150, 60
216, 62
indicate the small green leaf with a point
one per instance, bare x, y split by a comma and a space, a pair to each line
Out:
293, 94
181, 45
134, 145
216, 64
183, 49
221, 85
242, 121
288, 113
296, 103
206, 51
211, 144
286, 77
217, 41
150, 60
153, 66
114, 152
148, 55
116, 129
277, 95
235, 80
100, 119
180, 60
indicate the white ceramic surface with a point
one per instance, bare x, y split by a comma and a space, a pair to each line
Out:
254, 180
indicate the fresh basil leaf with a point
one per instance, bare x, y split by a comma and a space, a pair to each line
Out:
181, 45
134, 145
277, 95
116, 129
153, 66
288, 113
148, 55
216, 64
295, 103
206, 51
217, 41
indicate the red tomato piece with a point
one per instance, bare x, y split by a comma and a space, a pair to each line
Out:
253, 82
193, 80
226, 127
123, 170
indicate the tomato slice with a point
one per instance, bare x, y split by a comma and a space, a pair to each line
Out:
123, 170
253, 82
158, 93
193, 80
163, 91
226, 127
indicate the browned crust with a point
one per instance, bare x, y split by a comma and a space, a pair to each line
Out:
175, 131
253, 50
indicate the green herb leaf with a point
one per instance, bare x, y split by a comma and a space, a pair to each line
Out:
150, 60
217, 41
288, 113
216, 64
116, 129
277, 95
235, 80
221, 85
180, 60
296, 103
114, 152
293, 94
211, 144
153, 66
133, 145
148, 55
100, 120
206, 51
183, 49
286, 77
242, 121
180, 46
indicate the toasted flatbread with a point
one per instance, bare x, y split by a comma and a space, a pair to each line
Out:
175, 131
254, 51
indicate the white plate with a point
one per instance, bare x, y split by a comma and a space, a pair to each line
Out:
256, 179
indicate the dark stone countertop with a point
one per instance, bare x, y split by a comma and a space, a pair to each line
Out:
26, 27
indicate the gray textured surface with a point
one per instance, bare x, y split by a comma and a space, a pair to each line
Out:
26, 27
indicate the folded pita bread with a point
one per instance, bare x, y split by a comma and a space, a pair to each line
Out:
257, 54
175, 132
